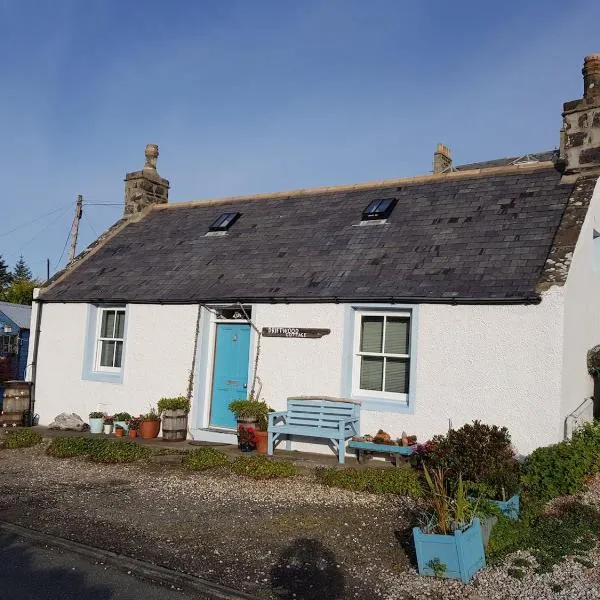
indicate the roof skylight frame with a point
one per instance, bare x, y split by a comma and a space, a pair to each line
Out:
225, 221
379, 209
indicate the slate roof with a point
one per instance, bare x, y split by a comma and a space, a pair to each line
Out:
546, 155
481, 236
19, 314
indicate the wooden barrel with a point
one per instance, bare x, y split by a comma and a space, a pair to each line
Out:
17, 396
174, 426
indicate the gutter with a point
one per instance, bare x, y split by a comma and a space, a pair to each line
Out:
533, 299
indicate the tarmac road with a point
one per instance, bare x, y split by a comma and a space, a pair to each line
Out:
31, 571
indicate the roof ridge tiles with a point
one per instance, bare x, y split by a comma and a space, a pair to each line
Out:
430, 178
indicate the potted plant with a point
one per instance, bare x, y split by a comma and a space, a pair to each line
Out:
449, 543
174, 412
150, 425
121, 419
108, 425
134, 425
252, 417
119, 431
96, 422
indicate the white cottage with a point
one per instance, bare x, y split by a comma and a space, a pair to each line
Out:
470, 293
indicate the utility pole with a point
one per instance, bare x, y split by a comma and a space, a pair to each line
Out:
47, 269
75, 228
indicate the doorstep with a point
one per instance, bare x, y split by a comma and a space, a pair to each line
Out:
218, 436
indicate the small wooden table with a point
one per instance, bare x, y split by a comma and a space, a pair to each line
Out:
365, 450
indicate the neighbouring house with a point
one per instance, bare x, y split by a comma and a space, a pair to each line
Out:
468, 293
14, 342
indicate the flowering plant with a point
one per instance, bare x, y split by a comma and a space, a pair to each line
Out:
108, 419
134, 423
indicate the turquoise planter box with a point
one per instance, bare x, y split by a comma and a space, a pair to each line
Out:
510, 508
462, 553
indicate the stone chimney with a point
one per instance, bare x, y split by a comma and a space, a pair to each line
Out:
145, 187
580, 133
442, 159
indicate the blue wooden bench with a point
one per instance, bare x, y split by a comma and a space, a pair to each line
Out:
335, 419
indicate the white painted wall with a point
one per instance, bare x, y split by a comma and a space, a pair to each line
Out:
582, 316
158, 356
500, 364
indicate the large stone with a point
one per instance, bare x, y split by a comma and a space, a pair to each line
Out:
68, 422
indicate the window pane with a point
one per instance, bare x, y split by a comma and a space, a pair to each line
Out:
396, 335
371, 373
107, 353
371, 335
118, 354
108, 324
396, 375
120, 329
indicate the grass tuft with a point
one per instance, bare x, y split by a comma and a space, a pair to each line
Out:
402, 481
205, 458
21, 438
261, 467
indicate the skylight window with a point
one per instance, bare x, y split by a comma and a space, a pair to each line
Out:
225, 221
379, 209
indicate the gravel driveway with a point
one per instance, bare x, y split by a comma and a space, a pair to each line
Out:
288, 538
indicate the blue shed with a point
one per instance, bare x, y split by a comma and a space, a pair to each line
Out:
14, 342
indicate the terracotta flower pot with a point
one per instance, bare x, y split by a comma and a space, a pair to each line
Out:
133, 433
149, 429
262, 441
119, 432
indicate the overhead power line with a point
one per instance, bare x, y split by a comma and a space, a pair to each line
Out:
62, 208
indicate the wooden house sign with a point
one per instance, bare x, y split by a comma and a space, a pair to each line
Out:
294, 332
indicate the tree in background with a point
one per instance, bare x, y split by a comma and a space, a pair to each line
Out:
22, 272
5, 276
17, 287
20, 291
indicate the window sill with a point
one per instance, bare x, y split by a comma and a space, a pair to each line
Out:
383, 404
105, 376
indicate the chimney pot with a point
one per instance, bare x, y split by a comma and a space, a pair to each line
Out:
591, 76
151, 154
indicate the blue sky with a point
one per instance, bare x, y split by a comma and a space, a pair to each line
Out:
246, 97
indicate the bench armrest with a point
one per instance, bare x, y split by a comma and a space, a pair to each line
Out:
276, 415
350, 421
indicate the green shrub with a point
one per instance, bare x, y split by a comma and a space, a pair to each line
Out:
400, 481
69, 446
481, 453
177, 403
122, 416
97, 415
21, 438
261, 467
563, 468
205, 458
108, 451
549, 537
98, 450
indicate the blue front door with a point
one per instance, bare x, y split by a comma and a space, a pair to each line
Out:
230, 373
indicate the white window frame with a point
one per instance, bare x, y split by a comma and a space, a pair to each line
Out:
357, 354
99, 339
